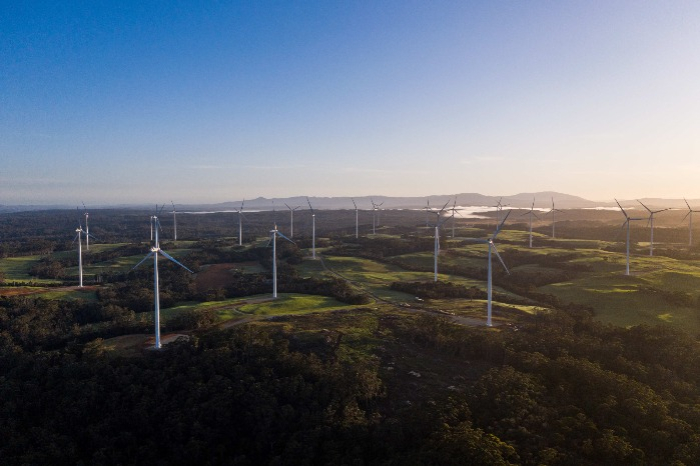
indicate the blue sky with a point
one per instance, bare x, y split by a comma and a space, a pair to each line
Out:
129, 102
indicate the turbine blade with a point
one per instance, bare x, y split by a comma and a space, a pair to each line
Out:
168, 256
623, 210
498, 230
280, 234
150, 254
647, 208
500, 259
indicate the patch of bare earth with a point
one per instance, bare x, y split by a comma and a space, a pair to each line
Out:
215, 276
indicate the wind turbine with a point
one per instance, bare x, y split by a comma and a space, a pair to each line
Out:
273, 238
78, 233
628, 219
532, 213
651, 224
174, 223
240, 223
454, 215
313, 229
87, 228
436, 253
499, 208
155, 250
690, 222
291, 219
155, 224
489, 282
427, 209
375, 208
554, 211
357, 219
78, 236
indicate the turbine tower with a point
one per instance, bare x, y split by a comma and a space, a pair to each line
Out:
274, 233
436, 253
489, 282
627, 221
357, 220
291, 219
553, 211
651, 224
689, 215
313, 229
155, 250
174, 223
240, 223
531, 213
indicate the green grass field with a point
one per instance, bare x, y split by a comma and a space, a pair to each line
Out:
17, 269
659, 290
260, 306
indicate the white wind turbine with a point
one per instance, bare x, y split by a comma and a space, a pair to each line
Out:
78, 232
489, 282
174, 223
78, 236
651, 224
531, 213
155, 225
628, 219
357, 219
375, 208
155, 250
553, 211
436, 252
273, 238
454, 215
689, 215
87, 228
291, 219
499, 208
313, 229
427, 209
240, 223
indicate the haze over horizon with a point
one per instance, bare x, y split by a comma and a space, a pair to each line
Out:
127, 102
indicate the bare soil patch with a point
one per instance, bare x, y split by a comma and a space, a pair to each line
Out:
215, 276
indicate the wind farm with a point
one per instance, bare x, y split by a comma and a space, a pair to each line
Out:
407, 233
359, 278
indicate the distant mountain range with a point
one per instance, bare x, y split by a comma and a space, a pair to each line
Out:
542, 199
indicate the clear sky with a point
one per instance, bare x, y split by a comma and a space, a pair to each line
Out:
148, 101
